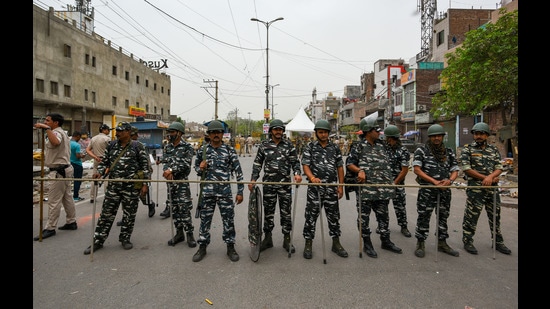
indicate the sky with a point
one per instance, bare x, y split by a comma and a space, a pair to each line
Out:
320, 44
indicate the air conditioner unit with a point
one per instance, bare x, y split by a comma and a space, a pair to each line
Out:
421, 107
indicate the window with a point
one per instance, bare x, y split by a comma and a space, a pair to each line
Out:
137, 104
155, 86
146, 83
440, 37
114, 69
39, 85
67, 91
126, 103
87, 59
85, 94
127, 75
113, 101
93, 96
147, 107
54, 88
93, 61
155, 109
161, 111
162, 89
137, 79
67, 51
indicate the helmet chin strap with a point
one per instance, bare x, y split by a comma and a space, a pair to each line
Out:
481, 143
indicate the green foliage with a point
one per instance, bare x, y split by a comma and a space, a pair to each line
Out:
483, 72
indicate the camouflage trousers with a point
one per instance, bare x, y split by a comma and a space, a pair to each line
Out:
181, 205
426, 203
380, 209
117, 193
399, 205
329, 199
227, 212
476, 199
270, 195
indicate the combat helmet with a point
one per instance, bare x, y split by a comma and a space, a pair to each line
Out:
369, 124
322, 124
436, 129
134, 131
215, 125
176, 126
392, 131
482, 127
276, 123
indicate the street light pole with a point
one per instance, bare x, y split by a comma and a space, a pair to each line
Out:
267, 24
249, 133
272, 101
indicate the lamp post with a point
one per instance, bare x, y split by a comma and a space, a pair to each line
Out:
249, 133
267, 24
273, 105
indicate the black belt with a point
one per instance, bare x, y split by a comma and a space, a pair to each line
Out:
59, 168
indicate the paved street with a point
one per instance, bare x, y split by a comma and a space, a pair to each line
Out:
155, 275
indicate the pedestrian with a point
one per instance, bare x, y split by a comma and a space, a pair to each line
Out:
322, 163
123, 159
249, 144
220, 162
76, 162
399, 158
370, 160
96, 149
436, 167
177, 166
57, 157
279, 159
481, 162
242, 145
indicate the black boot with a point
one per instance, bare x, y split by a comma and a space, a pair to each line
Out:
443, 247
191, 240
337, 247
179, 237
420, 251
308, 253
151, 209
166, 212
368, 248
233, 255
286, 243
267, 242
200, 253
388, 245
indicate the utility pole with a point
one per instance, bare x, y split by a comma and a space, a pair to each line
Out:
215, 97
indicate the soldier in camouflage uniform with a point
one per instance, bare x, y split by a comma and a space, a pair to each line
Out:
134, 159
435, 165
322, 163
481, 163
221, 161
370, 161
399, 158
177, 166
278, 157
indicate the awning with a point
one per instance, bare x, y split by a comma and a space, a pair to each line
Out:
409, 133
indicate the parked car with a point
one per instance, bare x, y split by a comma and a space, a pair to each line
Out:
410, 144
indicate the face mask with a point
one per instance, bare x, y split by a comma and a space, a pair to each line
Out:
172, 138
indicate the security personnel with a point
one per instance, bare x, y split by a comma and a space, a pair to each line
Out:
481, 164
322, 162
278, 157
177, 166
123, 160
436, 166
370, 161
221, 161
399, 158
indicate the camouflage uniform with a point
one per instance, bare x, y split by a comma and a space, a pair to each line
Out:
484, 161
222, 162
278, 161
398, 158
178, 158
324, 163
133, 160
426, 201
373, 159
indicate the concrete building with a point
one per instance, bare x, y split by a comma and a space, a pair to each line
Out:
89, 80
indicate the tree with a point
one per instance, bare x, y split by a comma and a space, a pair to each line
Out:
482, 74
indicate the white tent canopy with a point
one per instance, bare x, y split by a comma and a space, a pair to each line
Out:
300, 123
